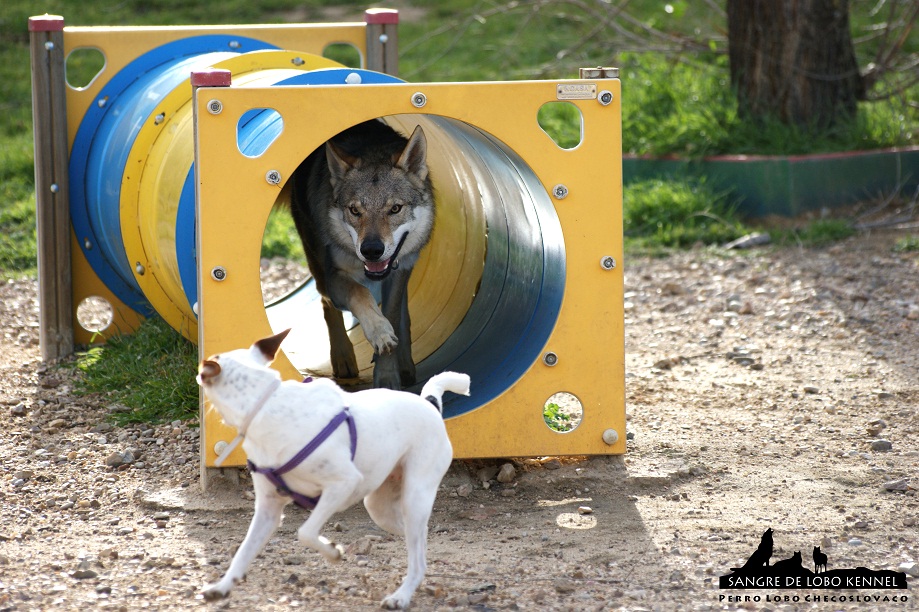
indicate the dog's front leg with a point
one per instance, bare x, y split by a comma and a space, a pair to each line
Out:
269, 507
344, 363
348, 294
397, 370
335, 497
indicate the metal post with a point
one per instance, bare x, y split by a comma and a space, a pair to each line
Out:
52, 201
211, 78
382, 40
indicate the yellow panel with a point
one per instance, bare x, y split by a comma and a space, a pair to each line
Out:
588, 335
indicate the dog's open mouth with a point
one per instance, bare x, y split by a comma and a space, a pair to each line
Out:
377, 270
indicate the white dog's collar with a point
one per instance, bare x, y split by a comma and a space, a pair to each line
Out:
247, 420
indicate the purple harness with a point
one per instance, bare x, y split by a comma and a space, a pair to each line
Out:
274, 474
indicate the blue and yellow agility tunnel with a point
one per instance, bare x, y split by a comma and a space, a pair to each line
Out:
171, 189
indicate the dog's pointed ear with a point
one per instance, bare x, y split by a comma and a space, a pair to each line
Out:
413, 158
269, 346
207, 371
339, 161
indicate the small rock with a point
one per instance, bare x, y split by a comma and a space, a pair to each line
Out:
464, 490
881, 445
585, 510
563, 585
23, 474
362, 546
875, 427
812, 390
552, 463
507, 473
115, 460
855, 542
487, 473
897, 485
909, 567
19, 410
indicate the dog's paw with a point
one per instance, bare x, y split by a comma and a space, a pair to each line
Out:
386, 373
382, 337
215, 591
396, 601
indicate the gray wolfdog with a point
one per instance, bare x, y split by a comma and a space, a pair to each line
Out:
364, 207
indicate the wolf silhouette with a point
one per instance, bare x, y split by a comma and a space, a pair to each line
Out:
791, 565
820, 560
760, 556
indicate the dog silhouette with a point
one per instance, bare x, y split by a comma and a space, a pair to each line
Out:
819, 560
760, 556
791, 565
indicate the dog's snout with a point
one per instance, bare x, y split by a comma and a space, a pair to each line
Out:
372, 249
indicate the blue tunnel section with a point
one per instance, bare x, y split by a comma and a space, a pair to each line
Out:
520, 293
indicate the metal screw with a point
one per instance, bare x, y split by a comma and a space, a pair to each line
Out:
214, 107
159, 118
219, 447
219, 273
87, 244
384, 38
353, 78
550, 359
49, 46
273, 177
101, 102
560, 192
607, 262
419, 99
605, 97
610, 436
140, 268
53, 188
297, 61
234, 44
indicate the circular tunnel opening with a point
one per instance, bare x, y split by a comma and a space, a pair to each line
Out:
486, 292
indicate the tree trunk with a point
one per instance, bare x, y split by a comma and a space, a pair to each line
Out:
793, 60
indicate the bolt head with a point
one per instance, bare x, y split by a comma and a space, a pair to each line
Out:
219, 273
550, 359
610, 436
607, 262
214, 107
560, 192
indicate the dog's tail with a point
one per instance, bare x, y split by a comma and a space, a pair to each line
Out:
433, 390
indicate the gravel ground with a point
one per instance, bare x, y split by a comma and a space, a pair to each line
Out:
768, 389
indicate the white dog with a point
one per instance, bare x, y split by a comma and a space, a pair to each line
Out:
389, 448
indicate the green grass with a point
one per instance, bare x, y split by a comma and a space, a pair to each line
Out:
909, 244
678, 214
815, 234
556, 419
151, 371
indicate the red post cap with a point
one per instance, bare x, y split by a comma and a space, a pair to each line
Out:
211, 77
46, 23
381, 16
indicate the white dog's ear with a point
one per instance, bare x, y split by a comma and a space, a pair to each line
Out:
207, 371
269, 346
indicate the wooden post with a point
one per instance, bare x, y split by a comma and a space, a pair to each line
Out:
382, 40
52, 201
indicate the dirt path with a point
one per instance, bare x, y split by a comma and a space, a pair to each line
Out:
763, 389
